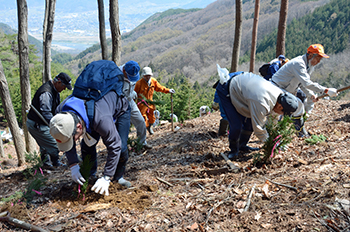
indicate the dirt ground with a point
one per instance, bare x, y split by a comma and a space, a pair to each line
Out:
184, 184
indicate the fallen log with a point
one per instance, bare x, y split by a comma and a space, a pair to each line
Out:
5, 216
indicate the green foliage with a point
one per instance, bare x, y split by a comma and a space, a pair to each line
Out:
316, 139
62, 58
325, 25
280, 133
134, 144
35, 164
13, 198
187, 98
33, 187
91, 49
85, 170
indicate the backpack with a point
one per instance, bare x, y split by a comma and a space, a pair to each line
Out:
97, 79
263, 69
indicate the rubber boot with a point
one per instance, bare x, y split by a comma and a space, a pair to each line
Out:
234, 149
150, 130
299, 126
223, 127
243, 140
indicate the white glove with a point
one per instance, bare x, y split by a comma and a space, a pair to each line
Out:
76, 175
332, 92
171, 91
101, 186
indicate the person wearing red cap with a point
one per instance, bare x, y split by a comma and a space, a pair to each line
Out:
296, 74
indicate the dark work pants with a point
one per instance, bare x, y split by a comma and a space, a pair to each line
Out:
237, 121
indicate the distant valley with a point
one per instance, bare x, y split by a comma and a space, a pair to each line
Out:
76, 22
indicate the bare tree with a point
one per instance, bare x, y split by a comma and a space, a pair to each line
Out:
49, 19
238, 36
11, 116
254, 35
101, 19
2, 153
115, 30
23, 50
282, 27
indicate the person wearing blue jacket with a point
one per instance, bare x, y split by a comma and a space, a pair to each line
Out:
72, 122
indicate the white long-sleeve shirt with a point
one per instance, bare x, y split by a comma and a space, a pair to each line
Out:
295, 74
254, 97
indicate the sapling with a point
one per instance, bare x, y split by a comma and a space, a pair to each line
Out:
134, 144
315, 139
280, 135
146, 102
85, 170
36, 164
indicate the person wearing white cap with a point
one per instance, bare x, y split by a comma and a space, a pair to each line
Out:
72, 122
131, 76
296, 74
146, 87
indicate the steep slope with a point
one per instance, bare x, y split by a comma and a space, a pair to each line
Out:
184, 184
193, 42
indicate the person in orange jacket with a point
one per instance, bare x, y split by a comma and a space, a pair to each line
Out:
146, 87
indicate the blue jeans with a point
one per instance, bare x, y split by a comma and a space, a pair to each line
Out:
236, 120
123, 126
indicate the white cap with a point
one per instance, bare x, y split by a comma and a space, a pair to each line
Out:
61, 129
147, 71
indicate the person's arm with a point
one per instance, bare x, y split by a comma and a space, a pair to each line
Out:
304, 78
159, 88
258, 116
106, 128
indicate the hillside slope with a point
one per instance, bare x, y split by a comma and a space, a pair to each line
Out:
184, 184
193, 42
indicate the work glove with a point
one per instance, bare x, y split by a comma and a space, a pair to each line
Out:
332, 92
101, 186
76, 175
215, 106
171, 91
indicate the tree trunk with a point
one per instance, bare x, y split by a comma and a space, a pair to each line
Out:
101, 19
49, 19
238, 36
23, 50
282, 27
2, 153
115, 30
254, 35
11, 116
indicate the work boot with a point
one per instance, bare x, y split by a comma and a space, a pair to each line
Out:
234, 149
147, 146
150, 130
46, 160
299, 127
58, 163
243, 140
223, 127
124, 182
